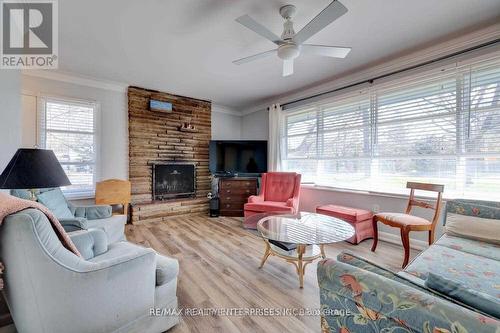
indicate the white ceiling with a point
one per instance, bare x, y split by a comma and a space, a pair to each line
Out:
187, 47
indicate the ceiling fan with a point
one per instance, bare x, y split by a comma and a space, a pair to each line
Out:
291, 44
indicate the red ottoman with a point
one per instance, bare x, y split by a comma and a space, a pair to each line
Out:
360, 219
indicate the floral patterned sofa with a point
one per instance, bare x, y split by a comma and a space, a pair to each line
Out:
358, 296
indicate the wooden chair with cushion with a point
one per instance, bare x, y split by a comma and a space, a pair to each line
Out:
406, 222
114, 192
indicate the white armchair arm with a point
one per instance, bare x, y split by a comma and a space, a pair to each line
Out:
114, 288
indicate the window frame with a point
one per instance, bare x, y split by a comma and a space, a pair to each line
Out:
42, 100
460, 71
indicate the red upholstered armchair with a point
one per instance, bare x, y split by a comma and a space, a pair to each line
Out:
279, 193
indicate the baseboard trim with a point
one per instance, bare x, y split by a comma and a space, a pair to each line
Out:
396, 239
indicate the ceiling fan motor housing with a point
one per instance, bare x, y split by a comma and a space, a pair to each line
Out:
288, 51
291, 44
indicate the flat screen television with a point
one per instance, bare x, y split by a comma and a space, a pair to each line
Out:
238, 157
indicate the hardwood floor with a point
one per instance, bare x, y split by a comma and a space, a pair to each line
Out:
219, 269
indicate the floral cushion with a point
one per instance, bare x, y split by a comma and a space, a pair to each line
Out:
474, 271
366, 265
401, 277
484, 249
484, 209
458, 291
354, 300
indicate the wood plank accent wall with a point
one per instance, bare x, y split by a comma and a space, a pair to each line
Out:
154, 136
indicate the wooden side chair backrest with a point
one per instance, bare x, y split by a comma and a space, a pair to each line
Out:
412, 202
114, 192
407, 222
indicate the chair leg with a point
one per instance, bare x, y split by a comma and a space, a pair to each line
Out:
405, 237
431, 236
375, 234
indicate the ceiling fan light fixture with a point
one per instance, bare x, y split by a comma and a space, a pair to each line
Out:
291, 44
288, 51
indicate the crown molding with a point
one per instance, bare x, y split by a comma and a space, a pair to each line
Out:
77, 79
261, 107
218, 108
435, 51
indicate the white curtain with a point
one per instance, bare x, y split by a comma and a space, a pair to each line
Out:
275, 142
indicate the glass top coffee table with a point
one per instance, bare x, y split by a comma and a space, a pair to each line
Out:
309, 232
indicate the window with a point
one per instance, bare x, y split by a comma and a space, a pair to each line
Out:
68, 128
441, 127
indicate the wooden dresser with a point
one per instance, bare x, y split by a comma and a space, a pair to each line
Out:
234, 193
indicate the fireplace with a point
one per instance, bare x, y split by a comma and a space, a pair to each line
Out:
173, 180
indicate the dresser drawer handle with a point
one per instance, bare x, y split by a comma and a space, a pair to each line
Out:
248, 191
228, 198
228, 205
247, 183
228, 191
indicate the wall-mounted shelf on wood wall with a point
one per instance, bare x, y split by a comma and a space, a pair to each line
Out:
187, 127
189, 130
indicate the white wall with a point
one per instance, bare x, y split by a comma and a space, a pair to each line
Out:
226, 123
312, 197
112, 120
255, 126
10, 115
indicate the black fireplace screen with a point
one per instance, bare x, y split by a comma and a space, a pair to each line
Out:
173, 180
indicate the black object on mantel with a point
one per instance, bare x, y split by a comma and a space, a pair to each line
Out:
33, 169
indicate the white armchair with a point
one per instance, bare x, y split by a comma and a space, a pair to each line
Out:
112, 288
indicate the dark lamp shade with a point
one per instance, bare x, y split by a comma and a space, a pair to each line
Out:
33, 169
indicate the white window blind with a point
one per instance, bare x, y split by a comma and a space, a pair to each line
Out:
415, 135
68, 128
480, 131
440, 127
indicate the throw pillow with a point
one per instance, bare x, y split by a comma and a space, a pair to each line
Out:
54, 200
460, 292
487, 230
22, 194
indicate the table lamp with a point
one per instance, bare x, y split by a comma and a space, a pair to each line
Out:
32, 169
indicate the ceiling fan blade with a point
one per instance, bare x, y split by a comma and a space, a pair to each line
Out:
258, 28
327, 51
332, 12
287, 67
254, 57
